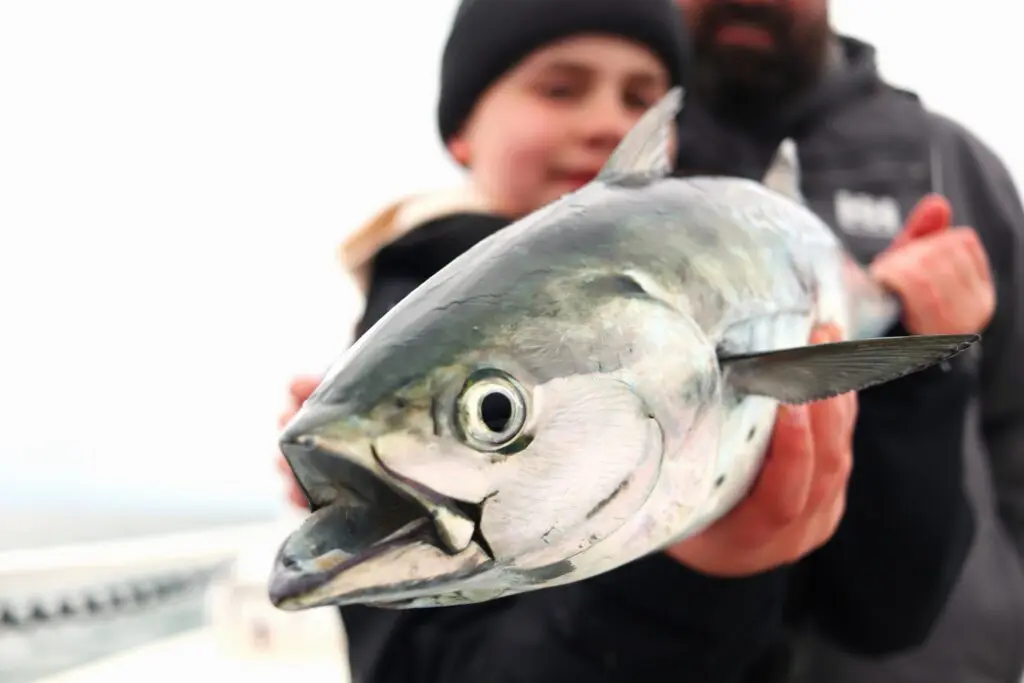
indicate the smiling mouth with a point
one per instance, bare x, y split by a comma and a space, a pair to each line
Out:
746, 35
359, 516
575, 179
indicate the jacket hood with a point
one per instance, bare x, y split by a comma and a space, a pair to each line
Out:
398, 219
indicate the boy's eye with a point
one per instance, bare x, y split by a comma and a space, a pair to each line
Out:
559, 89
638, 100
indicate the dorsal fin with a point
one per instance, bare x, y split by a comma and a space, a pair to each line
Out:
645, 153
783, 175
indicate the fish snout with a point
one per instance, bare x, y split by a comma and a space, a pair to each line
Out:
312, 420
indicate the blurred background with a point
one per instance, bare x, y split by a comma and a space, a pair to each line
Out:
175, 178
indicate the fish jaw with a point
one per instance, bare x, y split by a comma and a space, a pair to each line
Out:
405, 566
372, 538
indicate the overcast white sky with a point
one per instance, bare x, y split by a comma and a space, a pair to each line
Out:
174, 177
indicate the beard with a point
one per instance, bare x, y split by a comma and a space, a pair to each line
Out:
742, 80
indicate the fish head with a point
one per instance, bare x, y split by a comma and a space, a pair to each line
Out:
497, 422
505, 417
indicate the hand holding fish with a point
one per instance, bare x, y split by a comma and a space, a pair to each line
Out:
298, 391
798, 499
593, 383
941, 274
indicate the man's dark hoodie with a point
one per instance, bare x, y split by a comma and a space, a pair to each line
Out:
880, 584
866, 149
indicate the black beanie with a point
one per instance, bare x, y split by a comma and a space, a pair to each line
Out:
489, 37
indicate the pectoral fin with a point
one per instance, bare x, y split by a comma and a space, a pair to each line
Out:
819, 371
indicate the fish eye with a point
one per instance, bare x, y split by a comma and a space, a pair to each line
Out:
491, 411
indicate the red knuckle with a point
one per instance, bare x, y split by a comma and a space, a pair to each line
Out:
751, 539
834, 464
933, 293
782, 516
844, 468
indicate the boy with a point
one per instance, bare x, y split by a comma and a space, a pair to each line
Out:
535, 95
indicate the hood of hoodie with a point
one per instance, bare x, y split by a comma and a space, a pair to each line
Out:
398, 219
710, 145
851, 74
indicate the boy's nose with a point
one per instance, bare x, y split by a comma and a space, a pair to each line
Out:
607, 124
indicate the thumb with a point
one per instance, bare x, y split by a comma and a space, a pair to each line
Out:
302, 387
932, 214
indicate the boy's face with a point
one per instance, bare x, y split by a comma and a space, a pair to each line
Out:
550, 123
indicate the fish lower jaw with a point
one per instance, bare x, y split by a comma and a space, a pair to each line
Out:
455, 522
352, 552
385, 499
400, 570
341, 533
371, 537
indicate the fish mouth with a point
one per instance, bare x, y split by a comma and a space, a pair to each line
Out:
373, 537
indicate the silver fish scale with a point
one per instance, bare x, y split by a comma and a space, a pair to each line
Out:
712, 238
755, 271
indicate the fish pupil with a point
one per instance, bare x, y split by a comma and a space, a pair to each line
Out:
496, 411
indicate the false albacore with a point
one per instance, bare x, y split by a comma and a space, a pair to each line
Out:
591, 384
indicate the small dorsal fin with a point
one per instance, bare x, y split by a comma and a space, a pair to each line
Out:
783, 175
645, 153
